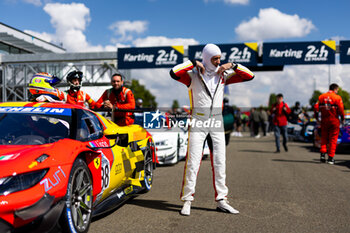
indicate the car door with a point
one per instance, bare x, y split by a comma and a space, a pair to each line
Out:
89, 129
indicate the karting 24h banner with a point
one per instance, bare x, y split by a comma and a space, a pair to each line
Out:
344, 52
150, 57
245, 54
320, 52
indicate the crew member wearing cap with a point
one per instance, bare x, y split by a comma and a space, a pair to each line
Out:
206, 81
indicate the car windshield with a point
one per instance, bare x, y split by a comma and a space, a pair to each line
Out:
32, 129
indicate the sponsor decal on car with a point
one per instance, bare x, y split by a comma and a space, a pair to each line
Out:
105, 172
70, 221
97, 162
8, 157
3, 202
98, 143
128, 190
118, 168
47, 182
38, 110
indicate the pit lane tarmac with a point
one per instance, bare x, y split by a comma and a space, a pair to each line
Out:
286, 192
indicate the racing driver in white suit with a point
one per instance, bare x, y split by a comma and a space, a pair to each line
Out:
206, 81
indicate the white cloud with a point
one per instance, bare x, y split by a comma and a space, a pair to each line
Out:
231, 2
163, 41
336, 38
271, 24
34, 2
68, 16
70, 22
241, 2
126, 29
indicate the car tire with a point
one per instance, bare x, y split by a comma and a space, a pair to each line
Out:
148, 170
77, 213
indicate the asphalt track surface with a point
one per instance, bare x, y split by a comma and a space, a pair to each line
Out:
286, 192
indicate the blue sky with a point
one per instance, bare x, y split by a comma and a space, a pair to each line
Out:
102, 25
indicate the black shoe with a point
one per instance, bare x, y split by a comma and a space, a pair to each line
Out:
277, 151
285, 148
330, 160
323, 157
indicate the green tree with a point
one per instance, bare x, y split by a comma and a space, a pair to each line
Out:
345, 97
272, 99
314, 97
140, 92
175, 104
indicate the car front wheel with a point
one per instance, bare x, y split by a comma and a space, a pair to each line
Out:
148, 169
78, 207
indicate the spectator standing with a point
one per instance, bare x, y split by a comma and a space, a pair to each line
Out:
280, 111
256, 118
245, 120
238, 123
264, 120
295, 113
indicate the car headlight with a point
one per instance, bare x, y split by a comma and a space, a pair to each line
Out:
20, 182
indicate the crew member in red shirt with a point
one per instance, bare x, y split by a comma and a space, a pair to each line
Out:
118, 97
74, 95
331, 107
280, 111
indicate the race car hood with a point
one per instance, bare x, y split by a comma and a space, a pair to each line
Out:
25, 158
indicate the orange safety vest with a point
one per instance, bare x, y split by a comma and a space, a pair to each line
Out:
124, 100
79, 98
331, 106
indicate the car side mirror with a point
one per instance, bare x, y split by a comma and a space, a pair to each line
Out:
120, 140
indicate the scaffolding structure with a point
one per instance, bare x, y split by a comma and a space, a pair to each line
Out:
17, 70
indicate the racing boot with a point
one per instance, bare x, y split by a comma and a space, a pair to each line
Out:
223, 206
186, 209
330, 160
323, 157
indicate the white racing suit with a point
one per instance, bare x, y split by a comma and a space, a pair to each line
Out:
205, 107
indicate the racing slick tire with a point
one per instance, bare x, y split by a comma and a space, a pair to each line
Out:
148, 170
76, 216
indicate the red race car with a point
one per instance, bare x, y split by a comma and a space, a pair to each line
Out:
62, 164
